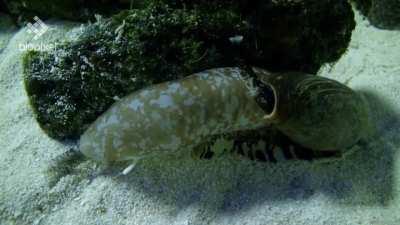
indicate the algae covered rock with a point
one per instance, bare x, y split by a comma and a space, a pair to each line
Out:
6, 30
80, 10
72, 85
381, 13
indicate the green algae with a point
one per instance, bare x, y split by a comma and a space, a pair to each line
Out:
72, 85
76, 10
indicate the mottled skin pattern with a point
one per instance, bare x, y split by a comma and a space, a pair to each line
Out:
174, 116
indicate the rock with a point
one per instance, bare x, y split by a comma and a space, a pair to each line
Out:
381, 13
77, 10
6, 29
71, 86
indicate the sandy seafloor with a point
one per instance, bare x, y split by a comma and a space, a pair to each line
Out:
360, 189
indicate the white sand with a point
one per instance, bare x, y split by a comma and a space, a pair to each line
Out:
362, 189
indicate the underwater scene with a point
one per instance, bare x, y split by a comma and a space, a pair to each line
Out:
214, 112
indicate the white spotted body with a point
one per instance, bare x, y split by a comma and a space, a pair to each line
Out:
175, 115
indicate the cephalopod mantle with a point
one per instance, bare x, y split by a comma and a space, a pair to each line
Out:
174, 115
